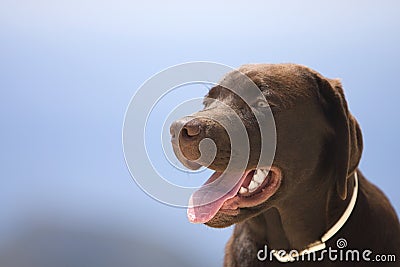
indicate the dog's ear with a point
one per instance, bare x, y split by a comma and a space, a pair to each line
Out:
347, 140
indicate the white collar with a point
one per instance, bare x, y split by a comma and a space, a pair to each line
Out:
320, 244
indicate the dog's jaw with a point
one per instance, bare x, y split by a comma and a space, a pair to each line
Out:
254, 188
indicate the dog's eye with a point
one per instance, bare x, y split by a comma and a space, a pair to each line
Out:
262, 104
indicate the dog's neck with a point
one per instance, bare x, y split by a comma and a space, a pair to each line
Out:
299, 222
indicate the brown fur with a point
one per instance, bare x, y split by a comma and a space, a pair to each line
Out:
319, 146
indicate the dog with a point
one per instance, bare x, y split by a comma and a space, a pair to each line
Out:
312, 196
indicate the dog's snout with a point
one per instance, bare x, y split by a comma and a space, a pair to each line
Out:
186, 128
187, 135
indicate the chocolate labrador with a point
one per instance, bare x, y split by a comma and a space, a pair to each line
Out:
312, 205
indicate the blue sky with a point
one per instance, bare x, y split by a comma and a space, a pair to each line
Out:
68, 70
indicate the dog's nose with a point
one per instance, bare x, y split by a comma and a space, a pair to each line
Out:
192, 128
186, 128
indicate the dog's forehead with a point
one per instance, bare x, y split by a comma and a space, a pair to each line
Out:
268, 77
239, 83
276, 76
283, 84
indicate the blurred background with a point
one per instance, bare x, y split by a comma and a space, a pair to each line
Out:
68, 70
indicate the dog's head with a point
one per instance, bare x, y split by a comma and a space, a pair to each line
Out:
317, 140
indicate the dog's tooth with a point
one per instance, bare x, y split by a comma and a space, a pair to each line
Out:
243, 190
259, 177
256, 173
253, 185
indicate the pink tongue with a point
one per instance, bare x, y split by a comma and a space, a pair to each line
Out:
206, 202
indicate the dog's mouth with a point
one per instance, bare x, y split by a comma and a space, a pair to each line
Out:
253, 187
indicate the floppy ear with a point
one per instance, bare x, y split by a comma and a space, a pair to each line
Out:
347, 143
